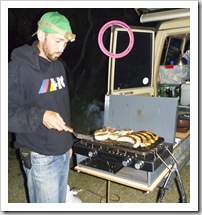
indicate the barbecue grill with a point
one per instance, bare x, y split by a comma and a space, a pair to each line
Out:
142, 164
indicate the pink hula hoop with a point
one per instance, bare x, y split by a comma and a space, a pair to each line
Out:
100, 40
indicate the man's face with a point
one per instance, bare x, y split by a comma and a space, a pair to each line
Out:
53, 46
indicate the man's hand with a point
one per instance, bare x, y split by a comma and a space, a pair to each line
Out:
53, 120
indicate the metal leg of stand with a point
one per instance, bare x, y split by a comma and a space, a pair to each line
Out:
108, 191
183, 193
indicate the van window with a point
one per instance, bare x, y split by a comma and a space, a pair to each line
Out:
174, 46
132, 70
138, 61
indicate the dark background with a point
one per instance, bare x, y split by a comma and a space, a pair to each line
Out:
85, 63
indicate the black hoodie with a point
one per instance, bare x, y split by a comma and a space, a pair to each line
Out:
31, 91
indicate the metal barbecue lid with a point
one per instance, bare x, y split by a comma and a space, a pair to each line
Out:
156, 114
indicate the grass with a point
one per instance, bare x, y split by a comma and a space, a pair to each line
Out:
93, 189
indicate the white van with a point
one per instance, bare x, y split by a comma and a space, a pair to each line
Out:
138, 73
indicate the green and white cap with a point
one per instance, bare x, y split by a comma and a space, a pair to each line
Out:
55, 23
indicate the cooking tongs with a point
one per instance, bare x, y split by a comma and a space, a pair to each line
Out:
80, 136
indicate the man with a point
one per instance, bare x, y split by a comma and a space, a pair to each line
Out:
39, 109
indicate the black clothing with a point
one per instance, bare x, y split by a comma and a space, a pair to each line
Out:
34, 86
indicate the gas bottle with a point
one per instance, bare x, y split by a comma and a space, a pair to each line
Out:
70, 196
185, 93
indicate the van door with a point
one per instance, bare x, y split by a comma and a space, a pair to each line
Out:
133, 73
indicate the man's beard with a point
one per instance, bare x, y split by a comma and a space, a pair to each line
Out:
51, 56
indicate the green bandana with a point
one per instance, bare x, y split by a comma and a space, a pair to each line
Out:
55, 23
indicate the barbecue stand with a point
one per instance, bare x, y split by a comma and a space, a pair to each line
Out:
139, 168
162, 190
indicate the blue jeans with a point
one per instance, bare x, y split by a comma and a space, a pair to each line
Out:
47, 179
